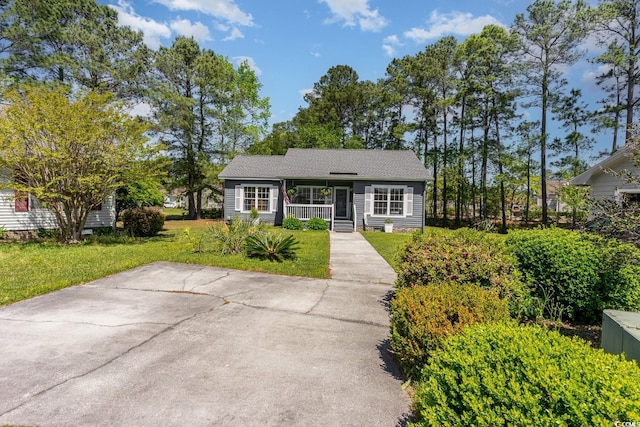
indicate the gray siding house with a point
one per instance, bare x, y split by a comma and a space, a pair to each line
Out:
348, 188
607, 186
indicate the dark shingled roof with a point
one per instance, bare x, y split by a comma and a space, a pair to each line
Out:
357, 165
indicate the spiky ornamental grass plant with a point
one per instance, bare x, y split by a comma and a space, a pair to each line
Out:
274, 247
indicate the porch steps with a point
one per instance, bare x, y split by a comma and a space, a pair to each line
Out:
343, 226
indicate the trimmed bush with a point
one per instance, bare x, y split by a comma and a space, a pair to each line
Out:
317, 224
507, 375
461, 256
292, 223
142, 222
576, 274
423, 316
274, 247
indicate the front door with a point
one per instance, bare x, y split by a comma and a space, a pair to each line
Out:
343, 202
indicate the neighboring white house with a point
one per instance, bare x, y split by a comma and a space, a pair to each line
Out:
608, 186
25, 213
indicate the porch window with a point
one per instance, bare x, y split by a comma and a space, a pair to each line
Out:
256, 197
310, 196
388, 201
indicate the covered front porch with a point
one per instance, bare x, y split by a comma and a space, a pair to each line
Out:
332, 202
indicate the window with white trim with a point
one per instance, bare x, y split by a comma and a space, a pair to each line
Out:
628, 199
388, 201
256, 197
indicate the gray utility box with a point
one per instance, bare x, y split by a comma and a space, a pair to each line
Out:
621, 333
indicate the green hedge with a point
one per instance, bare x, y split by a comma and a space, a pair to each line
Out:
578, 275
423, 316
505, 375
461, 256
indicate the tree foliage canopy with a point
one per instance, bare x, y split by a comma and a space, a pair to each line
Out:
71, 153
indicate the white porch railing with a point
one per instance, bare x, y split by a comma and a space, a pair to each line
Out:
306, 212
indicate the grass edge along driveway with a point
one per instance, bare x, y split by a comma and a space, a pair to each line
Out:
29, 269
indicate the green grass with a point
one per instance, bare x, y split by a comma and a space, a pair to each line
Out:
387, 244
34, 268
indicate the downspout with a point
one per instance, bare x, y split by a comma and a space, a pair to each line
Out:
424, 206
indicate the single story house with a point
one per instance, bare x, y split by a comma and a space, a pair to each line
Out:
607, 186
24, 214
348, 188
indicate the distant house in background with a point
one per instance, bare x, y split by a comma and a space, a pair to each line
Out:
553, 196
347, 188
607, 186
23, 213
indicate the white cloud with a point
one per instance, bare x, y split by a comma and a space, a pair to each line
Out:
235, 34
389, 45
304, 92
315, 54
226, 10
198, 31
152, 30
458, 23
355, 13
250, 62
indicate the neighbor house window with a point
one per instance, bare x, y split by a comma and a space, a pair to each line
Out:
388, 201
21, 202
256, 197
310, 196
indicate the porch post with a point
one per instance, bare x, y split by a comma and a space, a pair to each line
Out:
333, 215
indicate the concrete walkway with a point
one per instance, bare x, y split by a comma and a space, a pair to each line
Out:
173, 344
354, 259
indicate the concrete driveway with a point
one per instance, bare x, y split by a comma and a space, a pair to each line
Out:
172, 345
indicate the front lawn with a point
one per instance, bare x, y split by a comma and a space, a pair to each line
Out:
29, 269
387, 244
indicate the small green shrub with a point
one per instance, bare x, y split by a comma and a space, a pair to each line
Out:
578, 274
317, 224
48, 233
103, 231
461, 256
274, 247
292, 223
142, 222
423, 316
228, 238
508, 375
213, 213
3, 232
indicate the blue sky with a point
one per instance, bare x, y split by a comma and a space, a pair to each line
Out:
291, 44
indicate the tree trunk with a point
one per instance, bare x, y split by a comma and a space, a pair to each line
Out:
543, 151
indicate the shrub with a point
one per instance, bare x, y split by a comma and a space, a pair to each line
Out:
317, 224
213, 213
292, 223
422, 317
229, 238
461, 256
142, 222
274, 247
48, 233
103, 231
505, 375
578, 274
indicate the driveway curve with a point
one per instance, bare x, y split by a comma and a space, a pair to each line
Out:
172, 344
